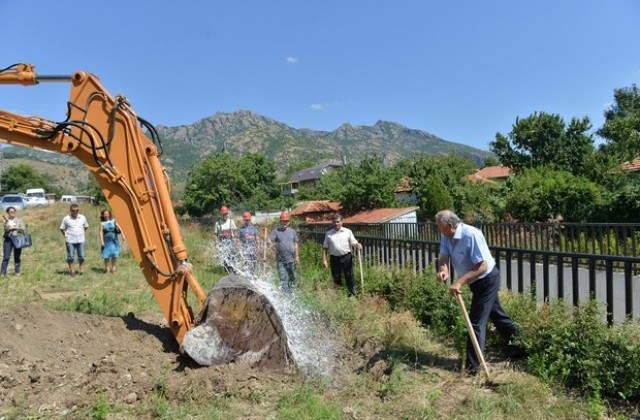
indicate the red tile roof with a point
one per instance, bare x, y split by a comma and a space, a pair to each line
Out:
321, 212
632, 166
490, 173
378, 215
323, 206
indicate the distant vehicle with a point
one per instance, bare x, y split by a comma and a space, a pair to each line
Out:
12, 200
38, 196
68, 199
29, 201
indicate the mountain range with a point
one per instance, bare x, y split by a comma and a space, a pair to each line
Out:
243, 131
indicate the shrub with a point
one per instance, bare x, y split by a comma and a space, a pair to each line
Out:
574, 347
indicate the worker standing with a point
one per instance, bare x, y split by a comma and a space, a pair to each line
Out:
287, 255
248, 241
338, 242
225, 229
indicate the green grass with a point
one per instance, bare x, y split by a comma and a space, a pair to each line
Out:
423, 382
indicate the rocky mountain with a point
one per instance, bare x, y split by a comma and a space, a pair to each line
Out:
244, 131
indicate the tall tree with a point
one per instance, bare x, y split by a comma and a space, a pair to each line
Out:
19, 178
544, 140
430, 174
542, 193
621, 128
368, 185
224, 178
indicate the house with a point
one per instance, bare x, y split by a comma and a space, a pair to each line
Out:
309, 176
632, 166
387, 215
490, 174
320, 212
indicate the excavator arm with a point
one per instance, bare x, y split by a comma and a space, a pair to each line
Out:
235, 322
107, 136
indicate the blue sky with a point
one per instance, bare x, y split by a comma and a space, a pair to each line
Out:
462, 70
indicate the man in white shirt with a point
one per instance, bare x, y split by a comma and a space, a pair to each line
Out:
338, 243
73, 227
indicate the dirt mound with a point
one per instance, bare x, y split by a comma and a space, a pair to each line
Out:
58, 362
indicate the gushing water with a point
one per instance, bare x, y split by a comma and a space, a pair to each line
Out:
310, 340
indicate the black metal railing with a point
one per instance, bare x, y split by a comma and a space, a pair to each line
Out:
562, 261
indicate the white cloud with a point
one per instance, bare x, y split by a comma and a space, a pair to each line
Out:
319, 106
292, 60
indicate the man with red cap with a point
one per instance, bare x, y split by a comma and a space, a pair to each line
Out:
248, 241
225, 229
287, 256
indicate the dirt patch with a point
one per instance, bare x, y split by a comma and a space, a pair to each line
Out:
57, 362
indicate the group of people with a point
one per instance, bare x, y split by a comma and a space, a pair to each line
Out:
229, 238
73, 228
462, 246
338, 243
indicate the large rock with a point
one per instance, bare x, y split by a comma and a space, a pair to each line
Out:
239, 325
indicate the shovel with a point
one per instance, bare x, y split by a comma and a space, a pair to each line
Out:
472, 336
361, 275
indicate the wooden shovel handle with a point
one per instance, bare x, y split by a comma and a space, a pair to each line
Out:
472, 336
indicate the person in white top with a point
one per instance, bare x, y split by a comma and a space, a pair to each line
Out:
338, 243
73, 227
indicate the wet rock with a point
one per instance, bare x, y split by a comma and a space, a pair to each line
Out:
239, 325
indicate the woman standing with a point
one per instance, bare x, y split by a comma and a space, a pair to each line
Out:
12, 226
110, 245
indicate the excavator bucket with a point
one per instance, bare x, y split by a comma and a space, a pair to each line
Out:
238, 324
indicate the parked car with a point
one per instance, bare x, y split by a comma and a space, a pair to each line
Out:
12, 200
29, 201
38, 196
69, 199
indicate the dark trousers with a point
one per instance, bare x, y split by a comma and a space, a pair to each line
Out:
6, 249
485, 305
339, 265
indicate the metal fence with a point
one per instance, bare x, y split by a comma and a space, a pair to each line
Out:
573, 262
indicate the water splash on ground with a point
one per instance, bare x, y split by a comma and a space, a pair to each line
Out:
310, 338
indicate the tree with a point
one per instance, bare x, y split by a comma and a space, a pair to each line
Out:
621, 128
544, 140
225, 179
540, 194
21, 177
365, 186
430, 173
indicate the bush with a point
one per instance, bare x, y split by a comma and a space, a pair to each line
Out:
574, 347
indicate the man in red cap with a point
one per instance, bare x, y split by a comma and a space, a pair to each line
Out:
287, 256
248, 241
225, 229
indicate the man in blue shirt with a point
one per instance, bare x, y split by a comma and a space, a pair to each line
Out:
466, 249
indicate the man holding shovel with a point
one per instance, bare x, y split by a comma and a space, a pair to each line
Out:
466, 248
337, 244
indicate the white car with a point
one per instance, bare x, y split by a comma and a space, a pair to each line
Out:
37, 200
29, 201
